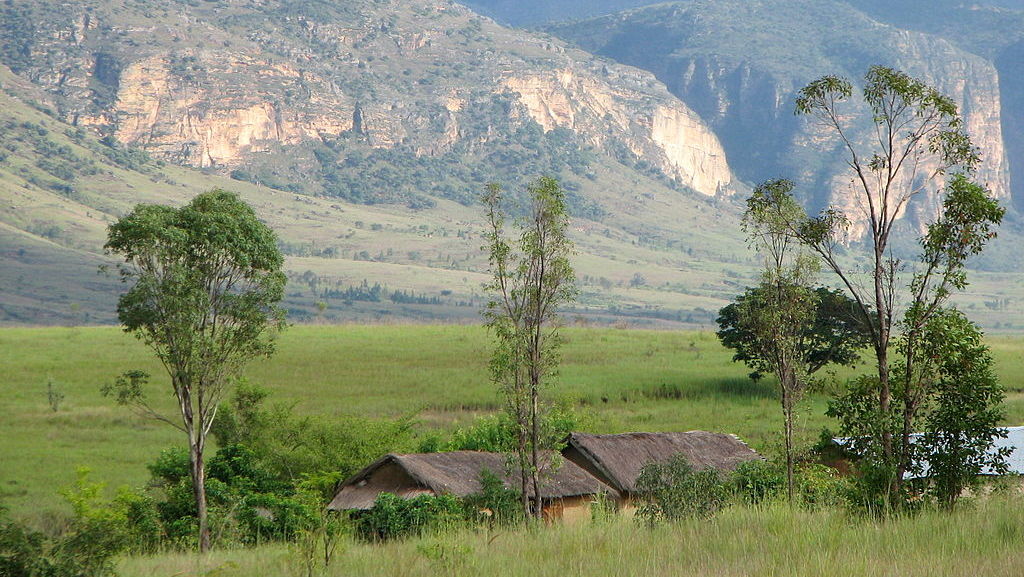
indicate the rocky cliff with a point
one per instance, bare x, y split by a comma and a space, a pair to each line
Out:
308, 92
739, 64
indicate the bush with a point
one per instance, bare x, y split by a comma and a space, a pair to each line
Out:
496, 433
21, 549
759, 481
287, 446
496, 504
86, 547
674, 490
269, 517
393, 517
821, 486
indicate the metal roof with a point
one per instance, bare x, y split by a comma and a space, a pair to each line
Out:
1014, 441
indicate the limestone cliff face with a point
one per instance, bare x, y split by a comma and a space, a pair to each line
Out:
740, 64
663, 131
224, 86
208, 124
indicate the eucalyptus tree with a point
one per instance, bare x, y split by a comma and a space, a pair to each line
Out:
917, 149
205, 282
531, 278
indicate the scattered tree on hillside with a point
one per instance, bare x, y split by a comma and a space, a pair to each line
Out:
532, 277
205, 282
918, 138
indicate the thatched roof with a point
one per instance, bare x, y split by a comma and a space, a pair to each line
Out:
617, 459
457, 473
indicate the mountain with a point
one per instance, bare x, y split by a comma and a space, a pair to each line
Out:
536, 12
368, 101
362, 132
739, 63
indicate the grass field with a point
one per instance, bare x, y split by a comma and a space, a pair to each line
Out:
621, 380
977, 541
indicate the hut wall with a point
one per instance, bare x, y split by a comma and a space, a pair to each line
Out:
569, 510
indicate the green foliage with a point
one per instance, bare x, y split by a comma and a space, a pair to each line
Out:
497, 433
837, 335
759, 481
966, 408
289, 447
862, 423
393, 517
496, 504
820, 486
674, 490
21, 549
246, 500
817, 486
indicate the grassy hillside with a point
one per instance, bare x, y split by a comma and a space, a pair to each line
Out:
60, 188
620, 380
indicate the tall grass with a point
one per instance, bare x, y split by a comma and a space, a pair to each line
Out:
979, 541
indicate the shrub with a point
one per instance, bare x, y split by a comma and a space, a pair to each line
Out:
503, 505
759, 481
94, 536
393, 517
21, 549
269, 517
821, 486
674, 490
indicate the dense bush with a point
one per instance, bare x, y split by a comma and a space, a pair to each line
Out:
496, 504
247, 502
289, 447
674, 490
495, 433
758, 481
394, 517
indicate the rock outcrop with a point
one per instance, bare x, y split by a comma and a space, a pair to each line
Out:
740, 64
226, 86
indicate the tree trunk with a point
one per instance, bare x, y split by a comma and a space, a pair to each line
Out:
787, 409
524, 475
882, 356
198, 473
535, 441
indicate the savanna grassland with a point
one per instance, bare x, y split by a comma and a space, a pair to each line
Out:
617, 379
620, 380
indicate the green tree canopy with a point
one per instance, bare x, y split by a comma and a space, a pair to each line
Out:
837, 334
205, 282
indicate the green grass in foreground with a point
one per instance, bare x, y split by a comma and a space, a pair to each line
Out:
980, 541
621, 380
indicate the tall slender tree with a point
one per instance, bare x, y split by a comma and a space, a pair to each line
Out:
532, 278
780, 317
205, 282
917, 148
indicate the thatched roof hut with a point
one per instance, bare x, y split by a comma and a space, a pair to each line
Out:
617, 459
456, 473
